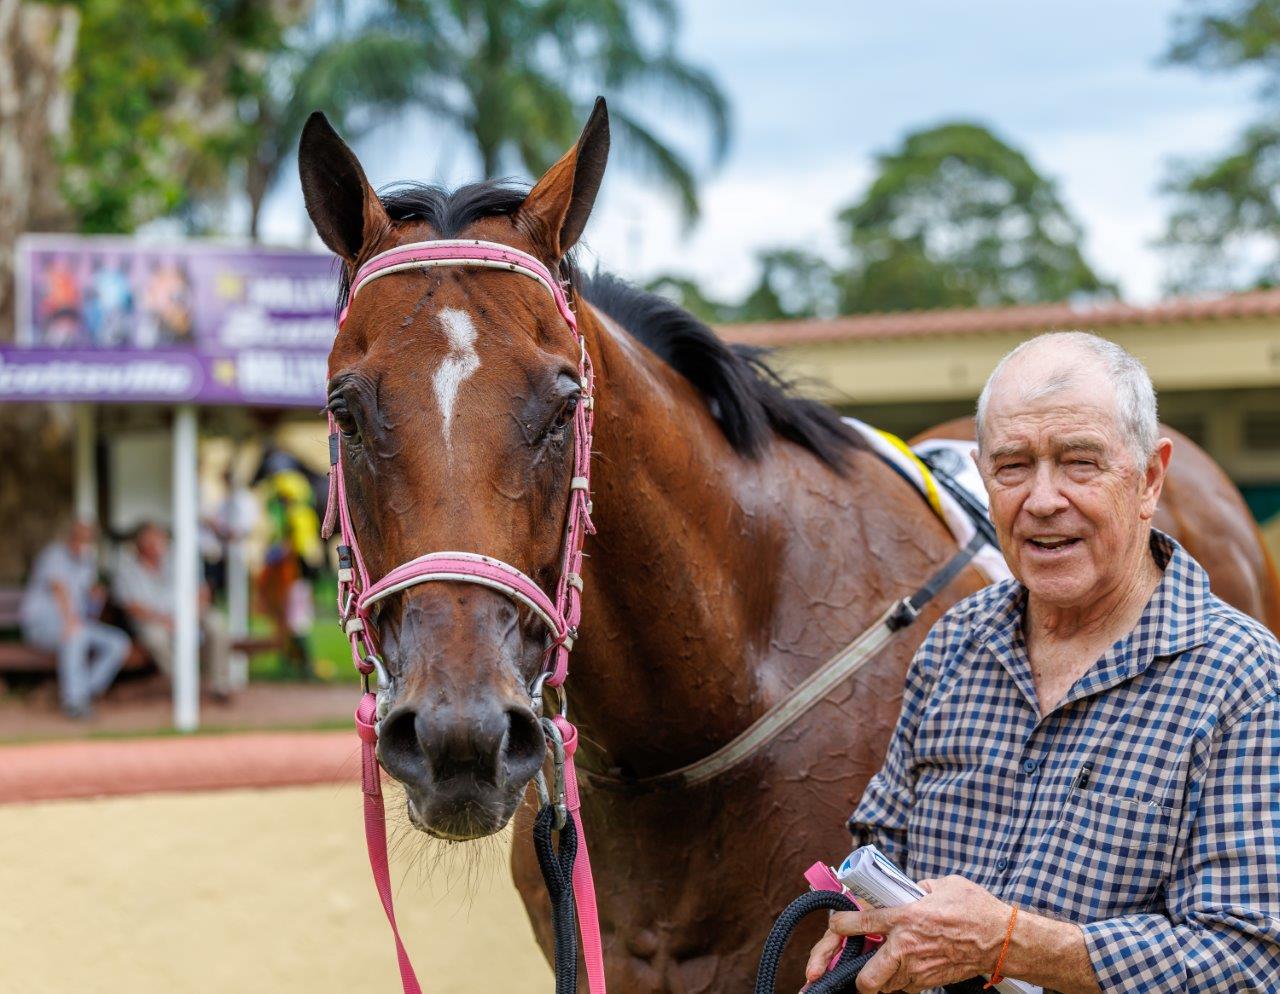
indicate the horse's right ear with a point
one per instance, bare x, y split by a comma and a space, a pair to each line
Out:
342, 204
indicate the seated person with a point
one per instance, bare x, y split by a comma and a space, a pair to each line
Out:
56, 615
143, 584
1085, 769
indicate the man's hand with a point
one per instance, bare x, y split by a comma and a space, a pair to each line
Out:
953, 933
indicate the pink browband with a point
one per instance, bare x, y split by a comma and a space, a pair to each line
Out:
561, 616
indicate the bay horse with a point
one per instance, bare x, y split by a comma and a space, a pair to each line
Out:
744, 535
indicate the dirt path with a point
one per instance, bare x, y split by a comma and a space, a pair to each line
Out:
245, 891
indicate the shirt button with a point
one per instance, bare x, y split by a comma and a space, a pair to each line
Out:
1002, 863
1029, 765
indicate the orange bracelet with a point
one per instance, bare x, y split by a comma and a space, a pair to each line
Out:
1004, 951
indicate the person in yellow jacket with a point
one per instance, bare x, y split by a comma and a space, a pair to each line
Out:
294, 554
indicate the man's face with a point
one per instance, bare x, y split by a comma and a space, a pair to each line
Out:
81, 538
153, 542
1070, 506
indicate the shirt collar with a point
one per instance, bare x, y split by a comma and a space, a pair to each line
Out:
1174, 620
1178, 612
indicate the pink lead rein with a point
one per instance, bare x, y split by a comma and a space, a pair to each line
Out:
356, 592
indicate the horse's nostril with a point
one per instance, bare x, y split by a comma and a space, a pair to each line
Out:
399, 749
483, 744
526, 745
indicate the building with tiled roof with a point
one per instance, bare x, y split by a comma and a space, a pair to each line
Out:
1215, 362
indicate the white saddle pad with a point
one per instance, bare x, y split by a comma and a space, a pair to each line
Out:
956, 462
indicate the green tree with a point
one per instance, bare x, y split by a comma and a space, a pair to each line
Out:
357, 73
155, 89
1224, 226
1226, 35
955, 217
1224, 229
688, 293
793, 283
518, 77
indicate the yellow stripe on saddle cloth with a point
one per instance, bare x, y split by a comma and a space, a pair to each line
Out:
912, 468
928, 485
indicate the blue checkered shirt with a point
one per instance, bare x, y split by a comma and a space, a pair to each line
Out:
1145, 807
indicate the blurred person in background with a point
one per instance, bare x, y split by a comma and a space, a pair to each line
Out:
58, 615
294, 557
143, 584
232, 521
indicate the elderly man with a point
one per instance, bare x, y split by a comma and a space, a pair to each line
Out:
57, 615
1087, 764
143, 584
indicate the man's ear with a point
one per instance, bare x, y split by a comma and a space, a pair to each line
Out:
558, 206
1153, 480
342, 204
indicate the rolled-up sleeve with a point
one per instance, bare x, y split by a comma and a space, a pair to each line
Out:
1221, 932
883, 813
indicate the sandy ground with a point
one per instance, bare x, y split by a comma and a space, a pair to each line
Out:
242, 892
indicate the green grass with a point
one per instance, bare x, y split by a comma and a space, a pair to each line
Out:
330, 652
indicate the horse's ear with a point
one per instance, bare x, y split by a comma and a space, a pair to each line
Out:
342, 204
559, 205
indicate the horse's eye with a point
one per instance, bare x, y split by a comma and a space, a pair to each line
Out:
342, 417
564, 415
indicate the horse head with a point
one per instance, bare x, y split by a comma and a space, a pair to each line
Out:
454, 391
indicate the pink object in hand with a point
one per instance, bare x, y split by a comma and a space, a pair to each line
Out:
822, 877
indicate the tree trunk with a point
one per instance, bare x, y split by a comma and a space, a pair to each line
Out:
37, 45
489, 160
257, 182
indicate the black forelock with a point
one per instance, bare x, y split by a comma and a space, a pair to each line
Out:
449, 212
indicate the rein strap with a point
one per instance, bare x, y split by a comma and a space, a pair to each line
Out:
815, 686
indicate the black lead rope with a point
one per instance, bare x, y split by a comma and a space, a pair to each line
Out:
557, 874
841, 978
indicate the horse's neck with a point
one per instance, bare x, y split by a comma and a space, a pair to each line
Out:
715, 583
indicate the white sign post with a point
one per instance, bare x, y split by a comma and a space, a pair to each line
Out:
186, 573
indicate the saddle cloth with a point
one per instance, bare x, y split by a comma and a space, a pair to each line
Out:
936, 468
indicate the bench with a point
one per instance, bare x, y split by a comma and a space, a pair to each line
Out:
16, 657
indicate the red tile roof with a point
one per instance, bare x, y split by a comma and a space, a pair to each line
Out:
1027, 318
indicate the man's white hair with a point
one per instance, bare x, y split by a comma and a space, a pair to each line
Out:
1135, 396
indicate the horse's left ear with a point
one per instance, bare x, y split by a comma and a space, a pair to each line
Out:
559, 205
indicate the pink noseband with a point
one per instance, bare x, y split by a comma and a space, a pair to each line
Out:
357, 593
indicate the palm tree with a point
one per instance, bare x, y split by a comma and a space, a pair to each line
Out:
517, 77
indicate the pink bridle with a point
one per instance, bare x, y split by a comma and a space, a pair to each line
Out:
357, 593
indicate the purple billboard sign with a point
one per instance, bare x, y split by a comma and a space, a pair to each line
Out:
114, 320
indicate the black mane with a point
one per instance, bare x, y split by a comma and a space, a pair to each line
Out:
747, 397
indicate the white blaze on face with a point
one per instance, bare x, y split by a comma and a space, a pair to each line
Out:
457, 366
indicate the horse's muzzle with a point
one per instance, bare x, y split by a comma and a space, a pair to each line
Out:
464, 769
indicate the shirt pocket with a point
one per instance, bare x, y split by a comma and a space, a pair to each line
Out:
1107, 855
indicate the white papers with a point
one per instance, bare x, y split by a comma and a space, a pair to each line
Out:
876, 880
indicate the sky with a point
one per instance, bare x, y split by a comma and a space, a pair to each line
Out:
818, 87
